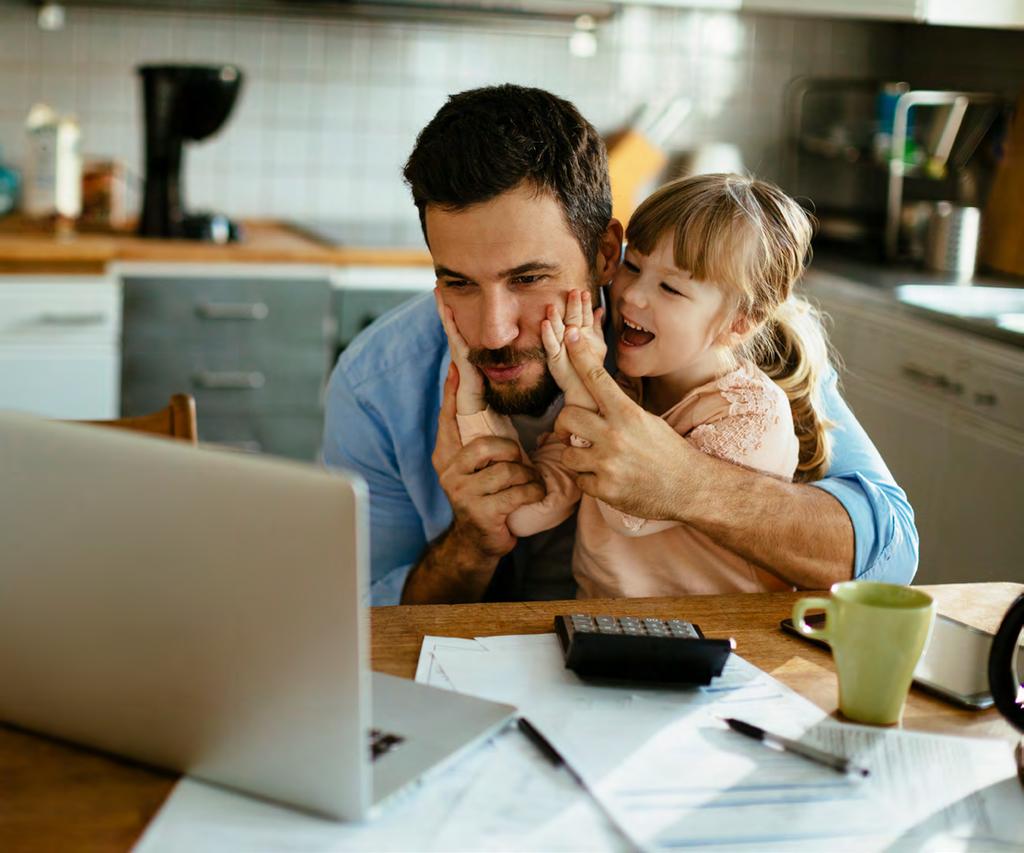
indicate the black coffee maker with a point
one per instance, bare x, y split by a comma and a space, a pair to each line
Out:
182, 102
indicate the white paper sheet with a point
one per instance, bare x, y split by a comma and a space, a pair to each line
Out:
675, 776
661, 759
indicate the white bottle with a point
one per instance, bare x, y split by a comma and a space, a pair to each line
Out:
53, 185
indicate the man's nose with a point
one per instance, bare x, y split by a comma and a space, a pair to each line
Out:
499, 321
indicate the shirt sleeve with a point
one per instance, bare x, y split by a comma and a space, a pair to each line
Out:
356, 439
885, 536
562, 492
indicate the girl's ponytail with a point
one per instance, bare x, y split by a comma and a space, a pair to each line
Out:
793, 352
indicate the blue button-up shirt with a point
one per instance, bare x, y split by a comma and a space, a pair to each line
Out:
383, 401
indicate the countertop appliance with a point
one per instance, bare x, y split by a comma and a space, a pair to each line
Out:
182, 103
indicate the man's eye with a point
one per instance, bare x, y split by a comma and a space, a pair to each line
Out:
528, 279
455, 283
671, 290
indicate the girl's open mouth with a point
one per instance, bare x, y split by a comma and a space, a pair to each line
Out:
634, 335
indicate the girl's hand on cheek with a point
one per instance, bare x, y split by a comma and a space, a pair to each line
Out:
552, 333
579, 312
469, 399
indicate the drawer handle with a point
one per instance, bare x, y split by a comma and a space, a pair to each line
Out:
96, 318
931, 379
233, 310
247, 380
986, 399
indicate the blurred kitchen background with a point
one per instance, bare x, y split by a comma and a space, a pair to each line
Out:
331, 104
891, 120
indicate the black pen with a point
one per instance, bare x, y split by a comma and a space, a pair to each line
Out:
836, 762
558, 760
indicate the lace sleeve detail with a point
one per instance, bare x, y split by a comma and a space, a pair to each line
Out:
740, 430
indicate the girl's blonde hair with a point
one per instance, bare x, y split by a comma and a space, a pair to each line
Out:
749, 237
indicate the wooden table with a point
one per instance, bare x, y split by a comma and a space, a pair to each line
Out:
54, 796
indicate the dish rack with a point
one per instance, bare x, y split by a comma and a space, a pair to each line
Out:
866, 173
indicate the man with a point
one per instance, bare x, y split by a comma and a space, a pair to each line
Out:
513, 194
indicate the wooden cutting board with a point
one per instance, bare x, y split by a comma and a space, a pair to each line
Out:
1002, 232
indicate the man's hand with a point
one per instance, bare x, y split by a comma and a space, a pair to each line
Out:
579, 314
636, 462
470, 397
484, 482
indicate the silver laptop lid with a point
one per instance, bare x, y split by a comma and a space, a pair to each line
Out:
193, 609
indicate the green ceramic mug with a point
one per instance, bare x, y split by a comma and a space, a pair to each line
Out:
877, 632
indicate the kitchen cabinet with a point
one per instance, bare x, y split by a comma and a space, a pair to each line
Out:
252, 344
362, 294
946, 410
999, 14
60, 345
892, 10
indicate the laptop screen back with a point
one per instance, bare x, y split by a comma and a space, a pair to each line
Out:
192, 609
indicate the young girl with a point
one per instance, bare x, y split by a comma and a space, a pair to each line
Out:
709, 336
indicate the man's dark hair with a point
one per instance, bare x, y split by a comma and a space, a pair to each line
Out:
487, 141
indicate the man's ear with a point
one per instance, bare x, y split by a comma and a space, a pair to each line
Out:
609, 252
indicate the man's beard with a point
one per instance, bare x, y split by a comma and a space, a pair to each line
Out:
509, 398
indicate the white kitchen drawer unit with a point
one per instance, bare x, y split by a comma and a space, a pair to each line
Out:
60, 345
72, 309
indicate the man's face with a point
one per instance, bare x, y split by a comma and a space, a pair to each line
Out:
499, 265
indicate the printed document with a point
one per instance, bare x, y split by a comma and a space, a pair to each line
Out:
660, 758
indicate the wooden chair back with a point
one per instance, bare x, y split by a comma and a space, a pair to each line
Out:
177, 420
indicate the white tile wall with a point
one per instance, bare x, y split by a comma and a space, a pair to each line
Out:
330, 108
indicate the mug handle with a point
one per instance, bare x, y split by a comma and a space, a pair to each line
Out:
800, 610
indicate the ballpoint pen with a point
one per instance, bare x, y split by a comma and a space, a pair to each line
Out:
549, 751
836, 762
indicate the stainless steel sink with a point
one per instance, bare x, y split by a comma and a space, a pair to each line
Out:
983, 303
996, 311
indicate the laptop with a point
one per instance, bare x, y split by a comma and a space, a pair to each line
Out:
204, 611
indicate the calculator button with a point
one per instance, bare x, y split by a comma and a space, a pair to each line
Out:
609, 629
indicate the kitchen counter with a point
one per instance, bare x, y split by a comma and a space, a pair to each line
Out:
880, 283
27, 248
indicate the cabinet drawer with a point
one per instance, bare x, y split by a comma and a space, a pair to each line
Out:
78, 381
294, 436
911, 360
235, 310
354, 310
71, 312
222, 380
997, 394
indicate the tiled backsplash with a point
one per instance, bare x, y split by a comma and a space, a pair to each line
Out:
331, 107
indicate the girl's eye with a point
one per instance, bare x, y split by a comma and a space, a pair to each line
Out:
671, 290
631, 267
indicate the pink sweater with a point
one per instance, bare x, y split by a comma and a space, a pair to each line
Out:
742, 417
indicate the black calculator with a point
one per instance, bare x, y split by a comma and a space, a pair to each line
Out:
640, 648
